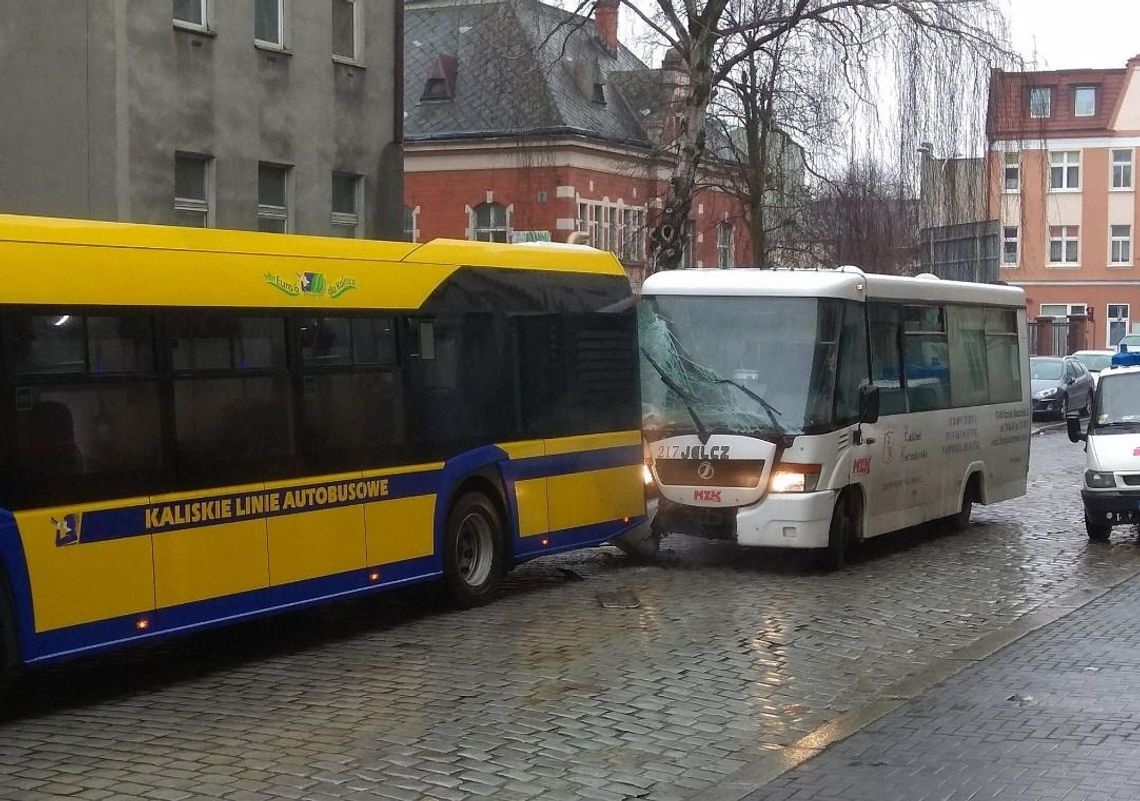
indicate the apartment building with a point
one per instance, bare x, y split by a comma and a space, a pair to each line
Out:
1062, 181
271, 115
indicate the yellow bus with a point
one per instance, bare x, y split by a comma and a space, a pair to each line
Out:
204, 426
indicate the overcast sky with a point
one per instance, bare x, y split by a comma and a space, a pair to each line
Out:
1063, 34
1055, 34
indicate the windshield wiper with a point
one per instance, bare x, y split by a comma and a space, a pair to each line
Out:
702, 432
769, 408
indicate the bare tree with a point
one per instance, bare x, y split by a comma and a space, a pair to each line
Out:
715, 38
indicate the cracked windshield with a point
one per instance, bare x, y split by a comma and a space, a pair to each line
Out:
744, 365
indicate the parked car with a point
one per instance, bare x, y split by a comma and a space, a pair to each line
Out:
1094, 361
1060, 385
1111, 491
1131, 340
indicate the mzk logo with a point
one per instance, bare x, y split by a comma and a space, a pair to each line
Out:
67, 530
311, 284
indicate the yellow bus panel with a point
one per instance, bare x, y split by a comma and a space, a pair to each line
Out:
75, 582
595, 496
399, 529
208, 561
313, 544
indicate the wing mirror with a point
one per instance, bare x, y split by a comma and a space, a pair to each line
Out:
868, 403
1073, 423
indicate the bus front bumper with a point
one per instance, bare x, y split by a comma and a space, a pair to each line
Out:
787, 520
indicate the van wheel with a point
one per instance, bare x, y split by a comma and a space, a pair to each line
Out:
961, 520
841, 535
1098, 532
473, 550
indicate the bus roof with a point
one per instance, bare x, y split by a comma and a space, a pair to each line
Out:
62, 261
845, 282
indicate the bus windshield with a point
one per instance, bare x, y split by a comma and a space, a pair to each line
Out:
1118, 401
747, 365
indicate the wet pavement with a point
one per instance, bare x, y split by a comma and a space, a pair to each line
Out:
591, 678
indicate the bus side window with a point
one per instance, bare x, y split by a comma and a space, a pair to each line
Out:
852, 370
926, 358
886, 363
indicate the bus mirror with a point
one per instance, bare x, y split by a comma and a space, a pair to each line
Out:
868, 403
1073, 422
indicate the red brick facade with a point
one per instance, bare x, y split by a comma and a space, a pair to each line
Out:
553, 196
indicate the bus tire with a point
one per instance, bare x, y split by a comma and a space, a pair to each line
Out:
474, 550
841, 535
970, 495
1098, 532
9, 644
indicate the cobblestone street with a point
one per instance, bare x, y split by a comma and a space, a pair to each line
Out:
546, 693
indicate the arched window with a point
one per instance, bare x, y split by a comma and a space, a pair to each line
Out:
491, 223
411, 224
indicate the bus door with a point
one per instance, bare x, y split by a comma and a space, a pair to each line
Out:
877, 464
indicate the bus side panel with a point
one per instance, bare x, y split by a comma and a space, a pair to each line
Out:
595, 480
15, 569
212, 556
87, 563
308, 545
401, 525
530, 493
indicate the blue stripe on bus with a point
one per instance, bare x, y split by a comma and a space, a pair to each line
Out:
90, 638
102, 635
577, 462
15, 566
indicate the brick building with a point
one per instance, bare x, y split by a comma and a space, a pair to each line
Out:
523, 121
1061, 178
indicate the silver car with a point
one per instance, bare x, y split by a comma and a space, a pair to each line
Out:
1094, 361
1060, 385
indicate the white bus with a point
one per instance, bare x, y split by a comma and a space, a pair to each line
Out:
818, 408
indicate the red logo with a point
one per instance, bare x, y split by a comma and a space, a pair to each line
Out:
1136, 451
707, 495
862, 466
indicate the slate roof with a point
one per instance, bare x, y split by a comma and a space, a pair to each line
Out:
524, 67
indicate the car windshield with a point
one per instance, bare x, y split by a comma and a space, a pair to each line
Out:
1095, 362
743, 364
1118, 399
1041, 370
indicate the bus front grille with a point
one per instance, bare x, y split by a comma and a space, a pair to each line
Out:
713, 473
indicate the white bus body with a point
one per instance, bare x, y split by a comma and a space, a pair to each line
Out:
775, 365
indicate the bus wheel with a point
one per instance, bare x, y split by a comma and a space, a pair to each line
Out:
1098, 532
473, 550
840, 535
961, 521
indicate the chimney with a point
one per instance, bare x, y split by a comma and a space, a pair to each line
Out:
606, 23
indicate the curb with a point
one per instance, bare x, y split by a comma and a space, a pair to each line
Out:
772, 764
1049, 427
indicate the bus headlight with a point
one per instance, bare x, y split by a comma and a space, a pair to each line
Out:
795, 478
1095, 479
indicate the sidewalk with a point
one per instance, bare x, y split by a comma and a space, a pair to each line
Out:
1055, 715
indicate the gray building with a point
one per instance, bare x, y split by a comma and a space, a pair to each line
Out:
278, 115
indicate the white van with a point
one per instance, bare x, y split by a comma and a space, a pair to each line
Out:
1111, 491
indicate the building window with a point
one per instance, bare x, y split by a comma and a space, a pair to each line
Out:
1064, 244
191, 13
1121, 236
1084, 101
273, 198
491, 223
1122, 169
1012, 172
1040, 102
1011, 246
347, 29
617, 228
411, 224
1063, 311
1065, 169
1117, 323
193, 205
269, 22
724, 248
347, 199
